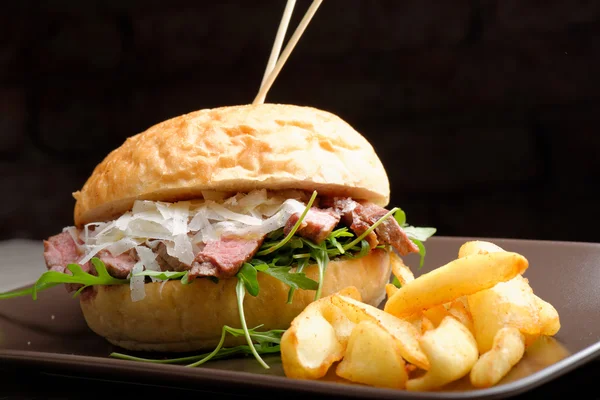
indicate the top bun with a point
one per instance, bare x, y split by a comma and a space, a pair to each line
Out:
234, 149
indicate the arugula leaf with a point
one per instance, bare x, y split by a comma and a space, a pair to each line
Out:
302, 263
320, 254
247, 274
268, 342
417, 234
240, 292
400, 217
422, 251
162, 275
421, 234
364, 250
296, 280
27, 291
294, 229
52, 278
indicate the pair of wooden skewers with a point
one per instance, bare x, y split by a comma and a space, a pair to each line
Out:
275, 63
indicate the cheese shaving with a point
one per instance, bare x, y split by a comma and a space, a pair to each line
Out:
136, 283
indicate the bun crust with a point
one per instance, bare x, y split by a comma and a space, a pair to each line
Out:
190, 317
235, 149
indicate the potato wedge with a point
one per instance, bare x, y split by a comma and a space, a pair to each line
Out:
507, 350
400, 270
436, 314
506, 304
390, 289
373, 357
548, 317
463, 276
458, 310
309, 347
426, 324
316, 338
452, 352
403, 331
478, 247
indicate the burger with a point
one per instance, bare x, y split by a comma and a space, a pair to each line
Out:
226, 217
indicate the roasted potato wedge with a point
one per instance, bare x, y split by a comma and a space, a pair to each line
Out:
507, 350
403, 331
316, 338
506, 304
373, 357
460, 277
452, 352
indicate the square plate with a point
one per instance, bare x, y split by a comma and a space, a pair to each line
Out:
51, 334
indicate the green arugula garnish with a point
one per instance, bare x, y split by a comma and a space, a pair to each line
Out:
267, 342
240, 291
163, 275
248, 276
296, 280
272, 247
302, 263
416, 234
52, 278
396, 282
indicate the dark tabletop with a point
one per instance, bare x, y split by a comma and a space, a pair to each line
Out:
29, 384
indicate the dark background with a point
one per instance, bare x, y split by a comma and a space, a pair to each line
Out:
485, 113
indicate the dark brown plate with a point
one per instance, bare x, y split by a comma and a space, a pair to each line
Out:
51, 335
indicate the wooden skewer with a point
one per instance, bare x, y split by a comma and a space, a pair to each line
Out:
287, 51
283, 25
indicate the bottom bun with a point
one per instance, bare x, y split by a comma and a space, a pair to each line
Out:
174, 317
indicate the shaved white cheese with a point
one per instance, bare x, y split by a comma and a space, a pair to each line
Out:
148, 258
184, 227
136, 283
180, 215
122, 245
233, 200
140, 206
199, 221
91, 251
228, 214
253, 200
122, 222
148, 229
181, 248
105, 231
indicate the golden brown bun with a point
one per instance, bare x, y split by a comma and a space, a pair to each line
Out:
235, 149
190, 317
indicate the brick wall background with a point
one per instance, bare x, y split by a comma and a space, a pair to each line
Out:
485, 112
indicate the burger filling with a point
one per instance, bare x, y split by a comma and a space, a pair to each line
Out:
214, 237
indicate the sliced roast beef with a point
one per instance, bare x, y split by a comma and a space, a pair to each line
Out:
118, 266
61, 250
360, 216
388, 232
345, 207
359, 226
316, 225
224, 257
